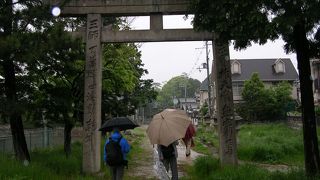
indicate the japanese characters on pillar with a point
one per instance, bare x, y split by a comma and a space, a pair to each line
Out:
92, 96
225, 115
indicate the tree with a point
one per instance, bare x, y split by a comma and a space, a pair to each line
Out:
123, 89
20, 25
260, 103
60, 73
257, 21
176, 87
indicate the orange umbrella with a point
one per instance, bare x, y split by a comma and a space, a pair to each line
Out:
168, 126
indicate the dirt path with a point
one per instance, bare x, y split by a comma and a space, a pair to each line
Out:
148, 167
143, 167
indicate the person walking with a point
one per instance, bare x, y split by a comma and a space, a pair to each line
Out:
116, 149
168, 155
188, 139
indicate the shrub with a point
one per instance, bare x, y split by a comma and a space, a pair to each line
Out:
262, 103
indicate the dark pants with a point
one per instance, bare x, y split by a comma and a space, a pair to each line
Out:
172, 162
117, 172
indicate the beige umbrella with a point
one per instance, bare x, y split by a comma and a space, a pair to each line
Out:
168, 126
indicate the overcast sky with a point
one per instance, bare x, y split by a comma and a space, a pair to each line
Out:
165, 60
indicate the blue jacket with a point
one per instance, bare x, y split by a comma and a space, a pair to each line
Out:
125, 147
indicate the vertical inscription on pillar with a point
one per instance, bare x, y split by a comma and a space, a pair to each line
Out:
225, 115
92, 96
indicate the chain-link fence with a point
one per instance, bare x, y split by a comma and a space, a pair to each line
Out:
35, 139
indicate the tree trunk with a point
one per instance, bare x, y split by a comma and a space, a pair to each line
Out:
67, 136
311, 151
18, 138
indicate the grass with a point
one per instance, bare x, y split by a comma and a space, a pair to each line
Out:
46, 164
263, 143
273, 143
208, 168
205, 139
136, 151
51, 163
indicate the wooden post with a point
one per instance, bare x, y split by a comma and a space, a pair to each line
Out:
92, 96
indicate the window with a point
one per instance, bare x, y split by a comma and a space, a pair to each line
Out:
236, 67
279, 66
237, 88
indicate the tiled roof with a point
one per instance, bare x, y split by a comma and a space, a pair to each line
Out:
264, 67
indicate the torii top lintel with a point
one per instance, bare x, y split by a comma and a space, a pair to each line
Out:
120, 7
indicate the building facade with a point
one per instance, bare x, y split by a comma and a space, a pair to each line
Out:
271, 72
315, 74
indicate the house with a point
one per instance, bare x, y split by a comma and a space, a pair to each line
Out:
186, 103
271, 72
203, 92
315, 74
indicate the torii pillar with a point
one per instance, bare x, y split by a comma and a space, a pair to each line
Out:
92, 96
224, 99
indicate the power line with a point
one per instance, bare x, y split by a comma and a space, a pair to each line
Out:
196, 62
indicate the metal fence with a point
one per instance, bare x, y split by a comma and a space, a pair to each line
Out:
35, 139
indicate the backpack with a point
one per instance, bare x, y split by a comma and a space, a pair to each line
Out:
114, 153
167, 152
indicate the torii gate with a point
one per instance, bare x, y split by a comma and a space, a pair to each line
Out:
97, 34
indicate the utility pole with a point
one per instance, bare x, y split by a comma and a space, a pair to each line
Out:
209, 82
185, 95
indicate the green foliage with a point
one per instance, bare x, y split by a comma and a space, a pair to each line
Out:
242, 21
262, 103
123, 89
204, 109
317, 111
209, 168
257, 21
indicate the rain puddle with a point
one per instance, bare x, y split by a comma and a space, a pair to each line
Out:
159, 168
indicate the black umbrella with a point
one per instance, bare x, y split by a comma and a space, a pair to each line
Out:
123, 123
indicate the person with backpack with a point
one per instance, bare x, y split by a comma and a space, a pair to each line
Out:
116, 149
168, 155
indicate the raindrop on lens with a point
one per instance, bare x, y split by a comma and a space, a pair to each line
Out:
55, 11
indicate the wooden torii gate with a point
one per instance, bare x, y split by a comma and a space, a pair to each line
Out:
97, 34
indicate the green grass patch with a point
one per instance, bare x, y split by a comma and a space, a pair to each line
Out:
271, 143
51, 163
209, 168
136, 152
205, 139
47, 164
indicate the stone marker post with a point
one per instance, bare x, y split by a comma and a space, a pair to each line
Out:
92, 96
225, 116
